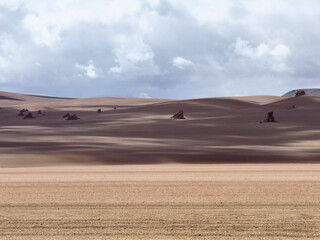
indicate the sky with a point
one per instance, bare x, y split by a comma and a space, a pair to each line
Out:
176, 49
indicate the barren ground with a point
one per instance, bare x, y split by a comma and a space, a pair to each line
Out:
168, 201
134, 173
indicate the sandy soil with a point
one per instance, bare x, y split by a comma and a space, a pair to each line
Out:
168, 201
140, 131
134, 173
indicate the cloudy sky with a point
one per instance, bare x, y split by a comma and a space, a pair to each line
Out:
157, 48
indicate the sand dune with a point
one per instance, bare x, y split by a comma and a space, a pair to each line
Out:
135, 173
11, 99
141, 131
259, 99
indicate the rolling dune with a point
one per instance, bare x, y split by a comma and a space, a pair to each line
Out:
135, 173
215, 130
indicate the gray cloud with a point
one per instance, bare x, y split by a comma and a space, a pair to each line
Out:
157, 48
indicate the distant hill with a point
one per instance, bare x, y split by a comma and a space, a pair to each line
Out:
310, 92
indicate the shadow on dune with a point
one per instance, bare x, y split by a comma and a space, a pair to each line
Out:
9, 98
214, 131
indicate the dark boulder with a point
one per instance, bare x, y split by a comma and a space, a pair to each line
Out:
300, 93
73, 117
21, 113
178, 115
270, 118
29, 115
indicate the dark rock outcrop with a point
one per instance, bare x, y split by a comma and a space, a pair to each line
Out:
73, 117
178, 115
29, 115
67, 115
308, 91
21, 113
300, 93
270, 118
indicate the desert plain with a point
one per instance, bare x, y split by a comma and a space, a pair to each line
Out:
132, 172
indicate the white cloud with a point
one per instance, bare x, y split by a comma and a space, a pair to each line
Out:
280, 55
181, 62
43, 31
3, 62
12, 5
38, 64
276, 57
143, 95
142, 42
133, 56
115, 70
88, 70
3, 66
